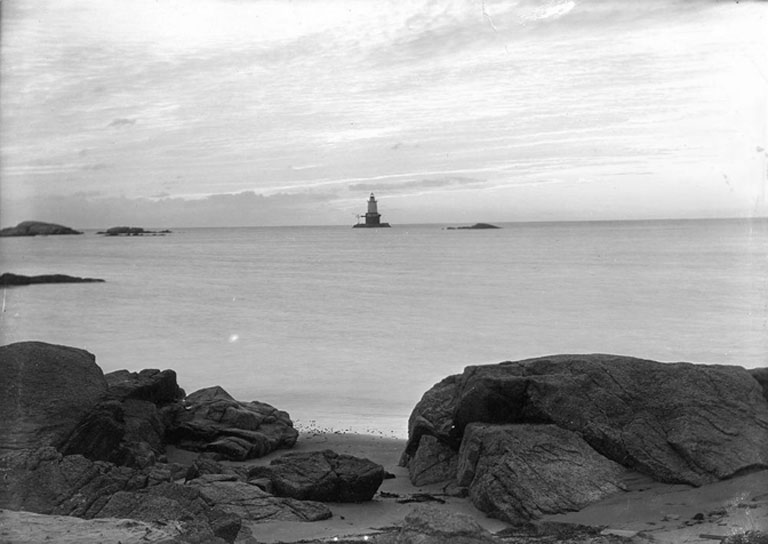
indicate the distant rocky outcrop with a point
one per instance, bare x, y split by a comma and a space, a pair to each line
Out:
132, 231
37, 228
8, 279
512, 429
322, 476
476, 226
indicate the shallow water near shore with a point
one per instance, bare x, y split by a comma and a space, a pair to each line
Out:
347, 328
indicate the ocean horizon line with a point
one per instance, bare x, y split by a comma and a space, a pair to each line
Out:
450, 223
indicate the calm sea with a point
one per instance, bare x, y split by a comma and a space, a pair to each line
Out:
347, 328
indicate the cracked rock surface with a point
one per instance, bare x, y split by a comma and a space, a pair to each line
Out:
676, 422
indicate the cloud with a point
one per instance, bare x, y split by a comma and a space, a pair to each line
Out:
550, 10
122, 122
394, 186
96, 166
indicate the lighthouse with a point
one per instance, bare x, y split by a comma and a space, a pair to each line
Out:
372, 216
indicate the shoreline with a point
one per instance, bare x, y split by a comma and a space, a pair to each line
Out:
647, 510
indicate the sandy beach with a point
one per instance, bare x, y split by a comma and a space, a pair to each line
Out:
647, 511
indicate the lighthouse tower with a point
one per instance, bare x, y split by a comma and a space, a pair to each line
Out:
372, 216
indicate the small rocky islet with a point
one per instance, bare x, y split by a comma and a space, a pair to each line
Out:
37, 228
133, 231
476, 226
519, 439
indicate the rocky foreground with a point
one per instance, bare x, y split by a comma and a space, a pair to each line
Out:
97, 457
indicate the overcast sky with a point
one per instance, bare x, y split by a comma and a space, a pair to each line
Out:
255, 112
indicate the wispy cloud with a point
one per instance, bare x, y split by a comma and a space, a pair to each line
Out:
122, 122
398, 186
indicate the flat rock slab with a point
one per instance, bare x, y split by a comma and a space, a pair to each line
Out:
249, 502
29, 528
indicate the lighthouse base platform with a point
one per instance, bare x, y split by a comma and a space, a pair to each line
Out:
364, 226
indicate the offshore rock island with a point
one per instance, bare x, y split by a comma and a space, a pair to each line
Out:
372, 217
476, 226
133, 231
524, 442
37, 228
10, 279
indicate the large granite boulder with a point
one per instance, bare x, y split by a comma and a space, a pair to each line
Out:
521, 472
322, 476
680, 423
36, 228
45, 391
213, 421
